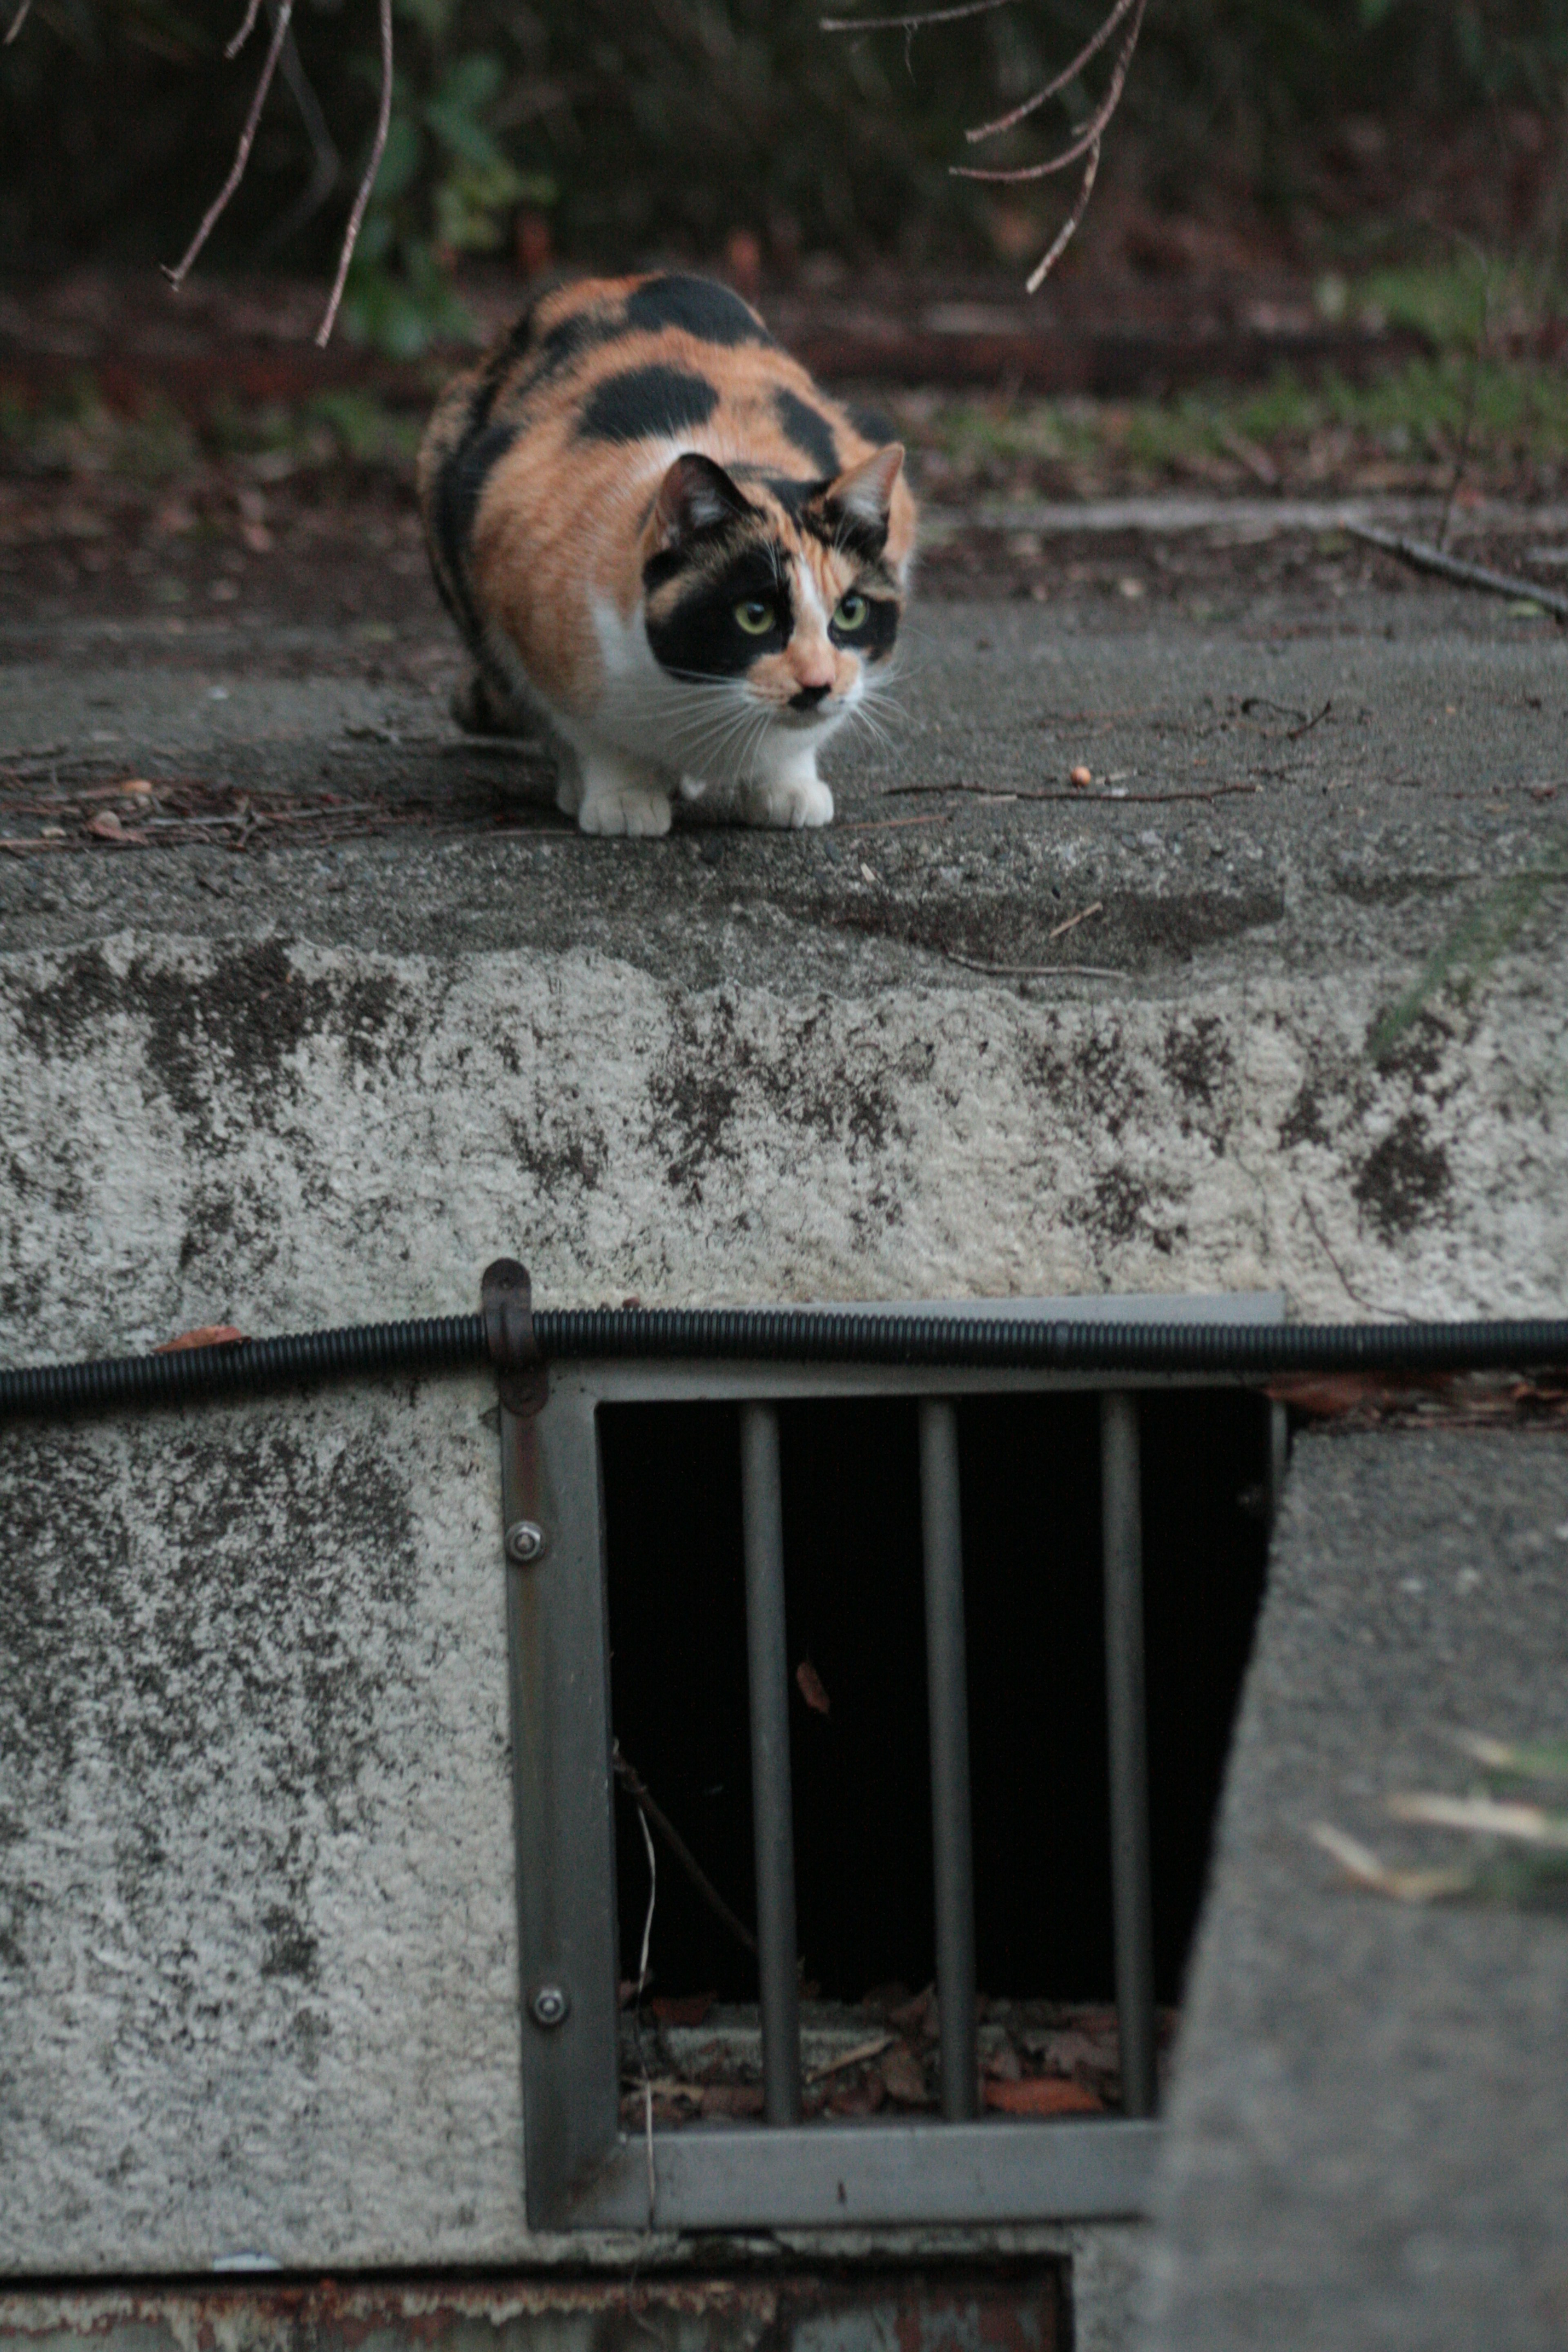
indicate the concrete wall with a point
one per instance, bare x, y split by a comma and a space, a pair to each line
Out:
283, 1136
259, 1987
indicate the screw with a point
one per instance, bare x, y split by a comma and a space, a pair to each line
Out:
525, 1542
550, 2005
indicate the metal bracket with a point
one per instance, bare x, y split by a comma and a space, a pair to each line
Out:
506, 1302
523, 1382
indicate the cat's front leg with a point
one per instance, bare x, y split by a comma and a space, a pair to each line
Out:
621, 795
792, 796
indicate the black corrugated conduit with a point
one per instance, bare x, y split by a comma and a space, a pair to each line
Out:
785, 1335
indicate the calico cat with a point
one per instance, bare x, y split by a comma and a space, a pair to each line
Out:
647, 522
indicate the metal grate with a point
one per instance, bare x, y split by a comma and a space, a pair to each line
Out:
583, 2168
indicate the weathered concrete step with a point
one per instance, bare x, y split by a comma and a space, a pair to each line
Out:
1367, 2144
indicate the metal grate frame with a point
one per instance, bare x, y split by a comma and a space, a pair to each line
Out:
582, 2171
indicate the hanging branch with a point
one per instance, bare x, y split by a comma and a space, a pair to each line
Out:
1086, 139
1090, 48
245, 32
215, 211
383, 123
214, 214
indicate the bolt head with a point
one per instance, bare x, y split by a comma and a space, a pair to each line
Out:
525, 1542
550, 2006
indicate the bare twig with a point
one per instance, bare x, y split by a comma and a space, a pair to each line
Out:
1089, 134
912, 21
1034, 971
1068, 73
1374, 1305
1073, 921
1069, 229
17, 21
245, 32
636, 1788
1077, 795
383, 123
326, 164
1085, 140
886, 824
177, 276
1423, 558
855, 2057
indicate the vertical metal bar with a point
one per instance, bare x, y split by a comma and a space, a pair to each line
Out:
772, 1825
567, 1934
948, 1689
1131, 1895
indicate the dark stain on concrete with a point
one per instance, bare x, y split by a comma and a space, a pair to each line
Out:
254, 1639
239, 1023
291, 1946
557, 1160
1197, 1058
1304, 1122
1404, 1180
1109, 1085
801, 1079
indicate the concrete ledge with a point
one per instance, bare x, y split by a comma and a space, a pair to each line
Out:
1367, 2145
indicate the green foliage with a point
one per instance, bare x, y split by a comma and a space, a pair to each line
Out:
446, 186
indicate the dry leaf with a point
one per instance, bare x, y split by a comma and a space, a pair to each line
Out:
915, 2016
108, 828
1328, 1394
857, 2098
1043, 2095
1003, 2062
809, 1684
1362, 1868
205, 1335
685, 2008
903, 2077
732, 2099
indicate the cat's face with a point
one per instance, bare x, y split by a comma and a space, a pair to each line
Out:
780, 599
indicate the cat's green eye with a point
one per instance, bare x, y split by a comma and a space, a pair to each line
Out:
852, 613
754, 617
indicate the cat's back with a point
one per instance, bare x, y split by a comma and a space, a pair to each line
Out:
538, 468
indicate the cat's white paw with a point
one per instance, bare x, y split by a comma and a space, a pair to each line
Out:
790, 799
637, 809
568, 794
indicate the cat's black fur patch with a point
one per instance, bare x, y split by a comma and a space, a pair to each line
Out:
871, 423
697, 306
793, 495
642, 402
840, 527
701, 637
808, 428
458, 489
877, 633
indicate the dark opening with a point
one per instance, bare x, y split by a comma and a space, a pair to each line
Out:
1036, 1671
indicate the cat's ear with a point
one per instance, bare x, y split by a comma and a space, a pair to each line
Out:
865, 492
695, 496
